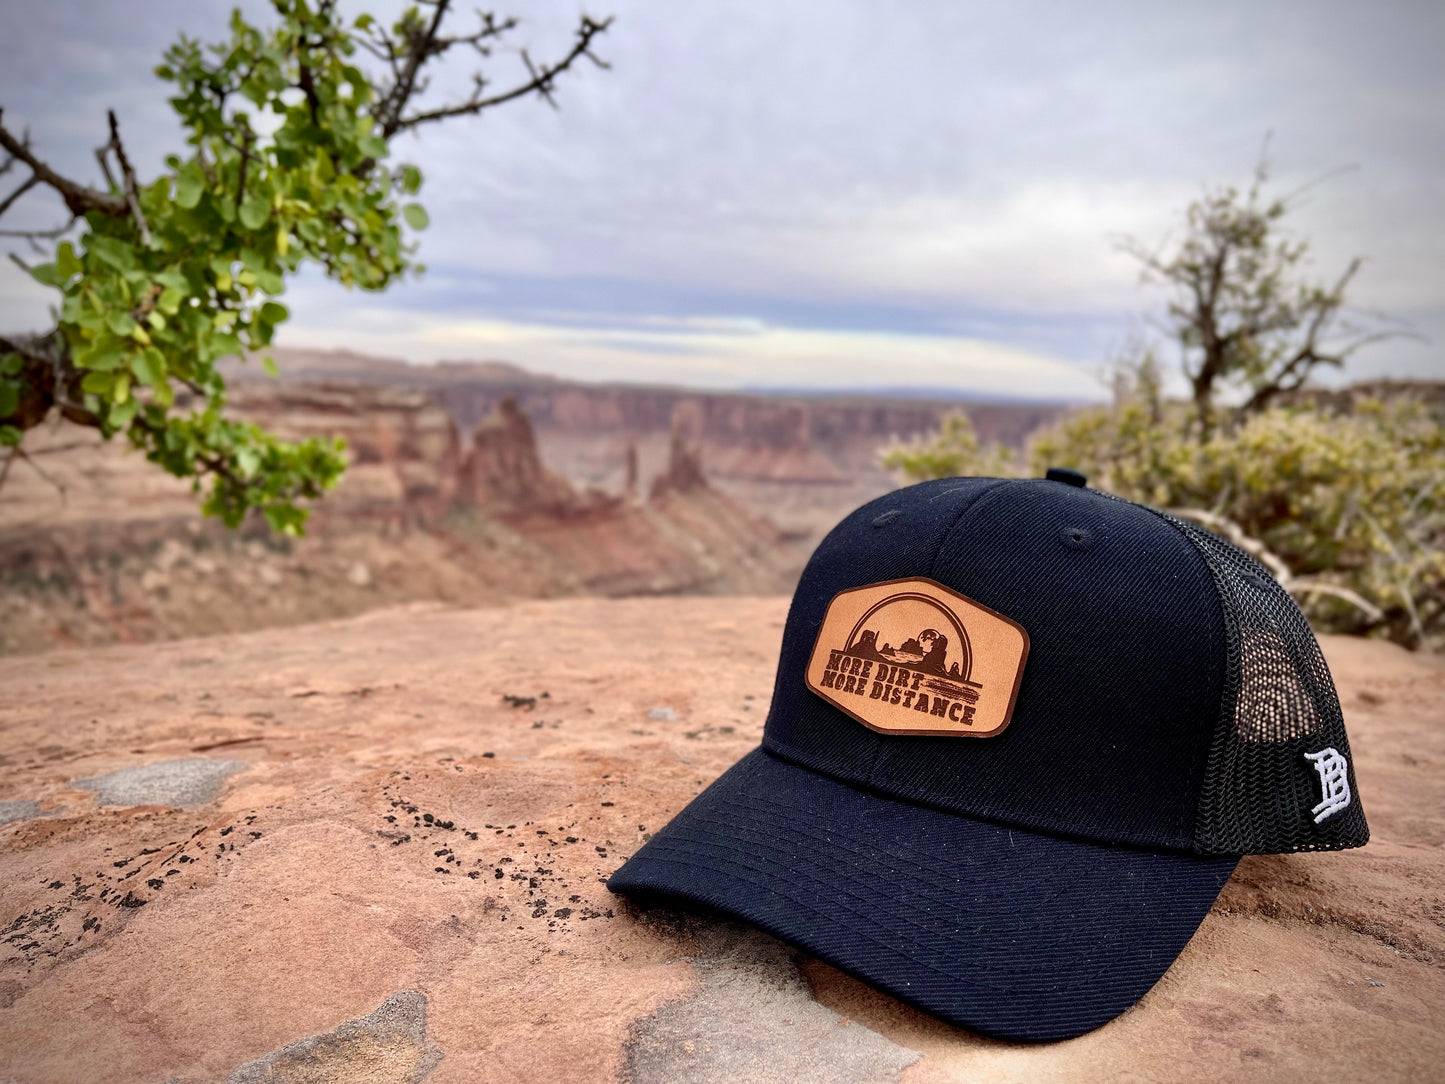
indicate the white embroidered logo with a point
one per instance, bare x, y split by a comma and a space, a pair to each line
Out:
1334, 782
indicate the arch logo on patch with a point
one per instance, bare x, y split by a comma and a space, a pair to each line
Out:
914, 657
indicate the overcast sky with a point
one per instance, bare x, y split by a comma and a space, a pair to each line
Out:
837, 194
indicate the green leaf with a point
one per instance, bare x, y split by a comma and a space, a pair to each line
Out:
372, 146
415, 215
190, 184
248, 460
120, 416
47, 273
410, 179
170, 301
67, 261
269, 364
102, 355
100, 383
270, 282
254, 213
11, 436
149, 367
273, 313
9, 397
11, 364
120, 323
222, 345
112, 251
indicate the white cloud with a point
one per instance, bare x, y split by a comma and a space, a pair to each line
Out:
935, 167
711, 353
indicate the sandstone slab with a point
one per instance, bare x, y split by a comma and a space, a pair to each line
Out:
178, 783
406, 881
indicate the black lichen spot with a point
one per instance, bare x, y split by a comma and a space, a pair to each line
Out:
156, 882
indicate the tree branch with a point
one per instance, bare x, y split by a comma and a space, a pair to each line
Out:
132, 192
419, 50
77, 197
20, 453
1304, 585
36, 236
24, 187
245, 161
540, 82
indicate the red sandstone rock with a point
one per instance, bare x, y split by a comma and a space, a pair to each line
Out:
319, 921
126, 556
684, 465
502, 468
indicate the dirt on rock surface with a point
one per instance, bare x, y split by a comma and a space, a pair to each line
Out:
375, 849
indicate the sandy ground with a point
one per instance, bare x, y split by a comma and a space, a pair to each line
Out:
338, 853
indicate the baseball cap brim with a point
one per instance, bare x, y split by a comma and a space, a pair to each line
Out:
1009, 933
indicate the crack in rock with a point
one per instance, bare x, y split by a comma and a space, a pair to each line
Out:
755, 1022
388, 1046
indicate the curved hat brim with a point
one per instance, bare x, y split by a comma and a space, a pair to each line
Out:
1009, 933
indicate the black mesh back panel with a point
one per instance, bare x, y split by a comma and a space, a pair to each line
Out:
1260, 789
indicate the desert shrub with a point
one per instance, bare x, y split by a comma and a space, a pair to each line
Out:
1341, 499
954, 451
1346, 507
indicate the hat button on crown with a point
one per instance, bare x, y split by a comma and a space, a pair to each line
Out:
1066, 475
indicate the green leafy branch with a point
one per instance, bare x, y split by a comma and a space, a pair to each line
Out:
288, 143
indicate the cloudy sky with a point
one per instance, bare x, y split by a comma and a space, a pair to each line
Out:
838, 194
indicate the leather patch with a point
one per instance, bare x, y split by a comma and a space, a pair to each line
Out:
914, 657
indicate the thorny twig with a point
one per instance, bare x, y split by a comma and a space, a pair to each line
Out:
1295, 585
132, 191
78, 197
407, 59
17, 452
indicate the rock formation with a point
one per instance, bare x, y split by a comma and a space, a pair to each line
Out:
127, 557
503, 470
684, 466
403, 446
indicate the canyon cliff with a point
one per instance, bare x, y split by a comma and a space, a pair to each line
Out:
104, 547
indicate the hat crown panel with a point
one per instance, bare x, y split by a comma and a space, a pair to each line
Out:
1121, 690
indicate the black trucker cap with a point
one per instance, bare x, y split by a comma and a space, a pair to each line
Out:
1020, 735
